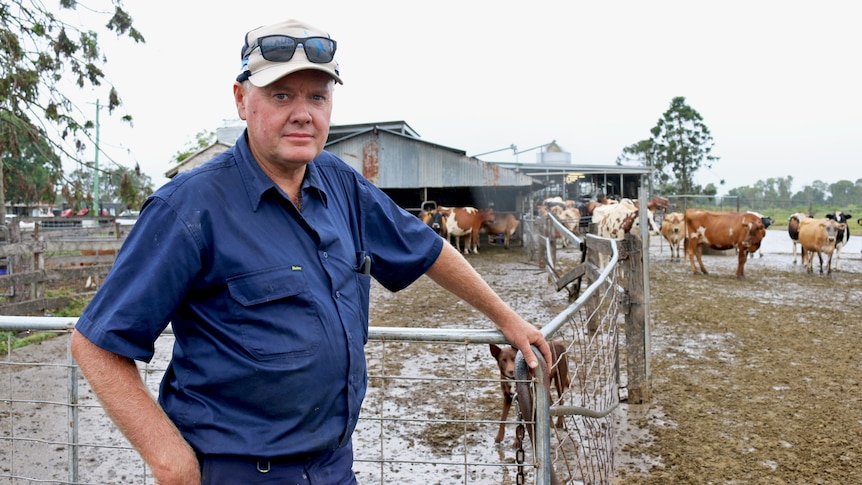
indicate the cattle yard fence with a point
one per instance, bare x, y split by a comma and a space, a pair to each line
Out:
67, 253
423, 418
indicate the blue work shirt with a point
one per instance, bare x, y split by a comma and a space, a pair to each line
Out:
269, 305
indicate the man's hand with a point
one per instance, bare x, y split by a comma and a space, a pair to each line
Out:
522, 335
183, 470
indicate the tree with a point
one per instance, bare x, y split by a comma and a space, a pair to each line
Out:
40, 55
680, 145
843, 193
24, 177
130, 187
203, 139
122, 185
812, 194
642, 152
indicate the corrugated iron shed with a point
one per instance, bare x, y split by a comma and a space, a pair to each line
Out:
396, 159
392, 156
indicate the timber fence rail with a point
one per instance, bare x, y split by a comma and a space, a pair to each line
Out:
424, 418
69, 254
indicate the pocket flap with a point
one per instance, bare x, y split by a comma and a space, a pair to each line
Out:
266, 286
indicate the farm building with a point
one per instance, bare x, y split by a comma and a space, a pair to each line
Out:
413, 171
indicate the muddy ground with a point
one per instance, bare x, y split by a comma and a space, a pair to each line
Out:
753, 381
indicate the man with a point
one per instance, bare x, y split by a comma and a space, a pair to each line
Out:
261, 260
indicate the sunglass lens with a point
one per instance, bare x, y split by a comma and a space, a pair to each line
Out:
319, 49
277, 48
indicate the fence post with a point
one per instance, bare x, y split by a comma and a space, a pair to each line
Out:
637, 338
73, 418
38, 289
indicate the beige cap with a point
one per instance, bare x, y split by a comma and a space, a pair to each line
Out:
262, 72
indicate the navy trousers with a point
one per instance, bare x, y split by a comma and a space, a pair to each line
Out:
330, 468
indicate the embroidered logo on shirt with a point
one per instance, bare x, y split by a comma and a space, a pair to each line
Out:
296, 267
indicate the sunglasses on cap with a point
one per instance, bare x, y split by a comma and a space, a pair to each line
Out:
280, 48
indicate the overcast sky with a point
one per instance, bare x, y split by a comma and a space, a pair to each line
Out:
777, 83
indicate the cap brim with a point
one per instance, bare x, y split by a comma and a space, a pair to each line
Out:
277, 70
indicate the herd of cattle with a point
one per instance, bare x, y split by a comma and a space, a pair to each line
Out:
745, 231
689, 231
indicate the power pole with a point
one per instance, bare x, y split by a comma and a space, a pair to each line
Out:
96, 200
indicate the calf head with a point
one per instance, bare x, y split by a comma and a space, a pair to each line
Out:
436, 222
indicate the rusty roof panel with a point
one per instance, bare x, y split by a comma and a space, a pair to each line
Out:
392, 161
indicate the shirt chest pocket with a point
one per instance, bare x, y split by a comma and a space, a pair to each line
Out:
276, 314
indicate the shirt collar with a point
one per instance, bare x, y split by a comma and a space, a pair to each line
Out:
257, 183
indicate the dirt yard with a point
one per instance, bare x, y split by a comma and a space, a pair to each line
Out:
754, 381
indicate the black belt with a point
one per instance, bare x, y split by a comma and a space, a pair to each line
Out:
273, 460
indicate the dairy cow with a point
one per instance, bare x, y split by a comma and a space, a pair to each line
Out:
767, 221
657, 203
466, 222
436, 219
818, 236
571, 218
793, 230
505, 223
673, 230
722, 230
614, 221
843, 234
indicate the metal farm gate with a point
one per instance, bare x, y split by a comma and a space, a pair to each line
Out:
403, 436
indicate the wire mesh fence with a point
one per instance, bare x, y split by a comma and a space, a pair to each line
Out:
429, 416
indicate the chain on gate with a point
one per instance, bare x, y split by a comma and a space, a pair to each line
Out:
520, 477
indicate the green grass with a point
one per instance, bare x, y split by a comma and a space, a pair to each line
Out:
74, 309
16, 340
22, 339
780, 216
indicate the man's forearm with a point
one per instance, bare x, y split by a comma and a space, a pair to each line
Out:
116, 382
454, 273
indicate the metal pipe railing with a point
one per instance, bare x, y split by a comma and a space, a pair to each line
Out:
389, 334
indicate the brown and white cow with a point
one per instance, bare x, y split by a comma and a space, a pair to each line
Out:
571, 219
722, 230
673, 230
505, 223
818, 236
615, 220
467, 221
657, 203
793, 230
767, 221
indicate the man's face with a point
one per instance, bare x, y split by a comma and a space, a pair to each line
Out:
288, 120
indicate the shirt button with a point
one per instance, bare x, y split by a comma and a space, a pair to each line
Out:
338, 294
325, 255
